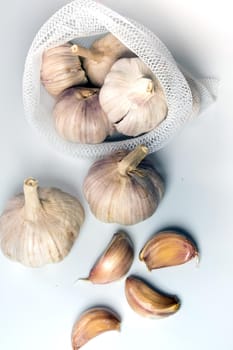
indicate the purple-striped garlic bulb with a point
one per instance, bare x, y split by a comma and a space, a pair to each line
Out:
78, 116
122, 188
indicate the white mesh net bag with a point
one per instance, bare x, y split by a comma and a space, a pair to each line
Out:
84, 21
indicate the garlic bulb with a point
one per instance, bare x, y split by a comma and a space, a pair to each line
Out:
115, 261
167, 248
120, 190
132, 97
101, 56
92, 323
40, 226
61, 69
79, 117
147, 301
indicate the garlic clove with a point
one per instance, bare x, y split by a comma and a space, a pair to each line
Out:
148, 302
92, 323
133, 98
123, 188
61, 69
78, 116
115, 261
40, 226
167, 248
101, 56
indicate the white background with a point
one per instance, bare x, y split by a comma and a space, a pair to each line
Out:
39, 306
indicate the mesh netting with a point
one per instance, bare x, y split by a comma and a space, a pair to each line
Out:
83, 21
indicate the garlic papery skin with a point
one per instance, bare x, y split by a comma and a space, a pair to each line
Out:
114, 262
60, 69
92, 323
78, 116
148, 302
101, 56
40, 226
133, 98
168, 248
122, 188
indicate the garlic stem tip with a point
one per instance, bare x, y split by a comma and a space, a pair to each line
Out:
30, 181
150, 86
74, 48
132, 159
144, 149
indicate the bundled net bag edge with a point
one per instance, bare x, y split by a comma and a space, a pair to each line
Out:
82, 20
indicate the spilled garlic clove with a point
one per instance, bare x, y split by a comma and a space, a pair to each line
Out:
148, 302
115, 261
92, 323
61, 69
167, 248
133, 98
39, 226
78, 116
98, 60
122, 188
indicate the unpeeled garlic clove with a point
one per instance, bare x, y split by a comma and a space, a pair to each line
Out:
115, 261
40, 226
79, 117
92, 323
101, 56
132, 97
122, 188
167, 248
60, 69
148, 302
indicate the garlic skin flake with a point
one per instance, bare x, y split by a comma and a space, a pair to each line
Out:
121, 188
133, 98
60, 69
101, 56
79, 117
167, 248
40, 226
92, 323
115, 261
148, 302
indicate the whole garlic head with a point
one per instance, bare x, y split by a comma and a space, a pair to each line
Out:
101, 56
121, 188
132, 97
79, 117
61, 69
40, 226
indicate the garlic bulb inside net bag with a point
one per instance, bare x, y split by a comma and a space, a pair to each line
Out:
61, 69
98, 60
79, 117
132, 97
